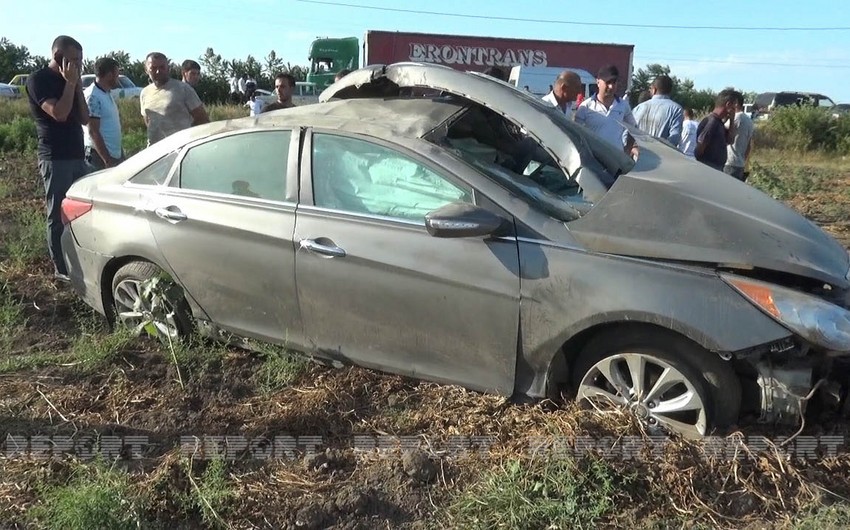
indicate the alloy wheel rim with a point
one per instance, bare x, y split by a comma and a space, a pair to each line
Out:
653, 391
141, 307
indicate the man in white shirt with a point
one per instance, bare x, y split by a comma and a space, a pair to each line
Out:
234, 89
168, 105
606, 112
564, 92
738, 152
688, 142
243, 86
102, 135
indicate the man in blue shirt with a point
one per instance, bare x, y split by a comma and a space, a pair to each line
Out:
103, 132
660, 116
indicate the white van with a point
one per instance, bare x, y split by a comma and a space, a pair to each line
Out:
539, 78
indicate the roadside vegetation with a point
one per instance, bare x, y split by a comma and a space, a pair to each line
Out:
65, 373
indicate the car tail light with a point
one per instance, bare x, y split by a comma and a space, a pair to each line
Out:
73, 208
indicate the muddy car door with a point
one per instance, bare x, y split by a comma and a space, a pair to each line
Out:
225, 223
375, 288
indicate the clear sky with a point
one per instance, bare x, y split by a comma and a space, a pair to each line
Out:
756, 60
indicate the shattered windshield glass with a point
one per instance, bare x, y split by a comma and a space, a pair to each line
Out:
505, 153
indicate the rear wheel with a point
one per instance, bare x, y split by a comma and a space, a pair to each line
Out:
666, 382
148, 302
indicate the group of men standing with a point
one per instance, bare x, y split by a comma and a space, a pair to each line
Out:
80, 130
722, 140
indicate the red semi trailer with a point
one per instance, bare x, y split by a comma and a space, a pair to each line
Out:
477, 53
331, 55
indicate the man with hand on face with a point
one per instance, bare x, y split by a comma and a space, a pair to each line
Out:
606, 112
565, 91
712, 135
103, 132
168, 105
284, 85
59, 109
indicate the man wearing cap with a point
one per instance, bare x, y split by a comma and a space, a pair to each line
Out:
605, 112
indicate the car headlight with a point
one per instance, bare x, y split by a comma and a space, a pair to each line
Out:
814, 319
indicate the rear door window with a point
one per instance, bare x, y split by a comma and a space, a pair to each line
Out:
249, 165
156, 173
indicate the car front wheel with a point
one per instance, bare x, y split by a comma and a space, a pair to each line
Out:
666, 382
148, 302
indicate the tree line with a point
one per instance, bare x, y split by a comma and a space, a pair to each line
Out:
684, 93
214, 86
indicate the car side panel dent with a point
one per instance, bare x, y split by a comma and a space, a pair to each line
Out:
566, 291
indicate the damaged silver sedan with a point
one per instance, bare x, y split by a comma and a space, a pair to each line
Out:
446, 226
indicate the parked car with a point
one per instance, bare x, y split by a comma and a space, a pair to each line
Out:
768, 101
840, 109
265, 95
128, 89
20, 81
446, 226
9, 91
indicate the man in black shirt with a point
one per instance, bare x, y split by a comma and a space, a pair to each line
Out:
712, 135
59, 108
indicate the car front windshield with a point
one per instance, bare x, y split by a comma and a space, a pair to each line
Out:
503, 152
125, 82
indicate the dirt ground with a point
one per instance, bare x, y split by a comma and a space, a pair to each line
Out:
316, 451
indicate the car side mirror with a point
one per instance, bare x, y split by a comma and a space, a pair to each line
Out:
462, 220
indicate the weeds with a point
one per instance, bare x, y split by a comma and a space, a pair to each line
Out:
196, 358
12, 319
17, 135
804, 129
562, 493
133, 142
784, 181
211, 493
95, 347
32, 361
279, 369
29, 243
824, 516
94, 497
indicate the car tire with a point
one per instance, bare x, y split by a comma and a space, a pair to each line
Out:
146, 300
692, 375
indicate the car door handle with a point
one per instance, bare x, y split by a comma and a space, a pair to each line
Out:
170, 215
321, 248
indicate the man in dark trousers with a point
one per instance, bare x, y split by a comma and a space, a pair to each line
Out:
59, 108
712, 135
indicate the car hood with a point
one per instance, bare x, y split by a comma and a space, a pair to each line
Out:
674, 208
